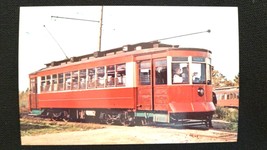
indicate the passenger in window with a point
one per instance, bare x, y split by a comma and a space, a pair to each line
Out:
161, 75
110, 81
101, 81
159, 79
185, 74
47, 86
195, 77
123, 79
177, 77
82, 83
68, 84
91, 81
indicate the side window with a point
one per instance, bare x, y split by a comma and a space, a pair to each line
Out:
42, 84
67, 81
144, 72
54, 82
121, 75
60, 82
110, 76
33, 86
48, 83
74, 80
161, 71
82, 79
91, 79
100, 76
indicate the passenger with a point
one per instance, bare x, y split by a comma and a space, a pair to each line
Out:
185, 74
195, 78
177, 77
83, 84
110, 80
123, 79
68, 84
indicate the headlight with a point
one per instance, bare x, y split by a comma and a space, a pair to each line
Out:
200, 91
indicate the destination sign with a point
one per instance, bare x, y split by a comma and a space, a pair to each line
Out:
198, 59
179, 58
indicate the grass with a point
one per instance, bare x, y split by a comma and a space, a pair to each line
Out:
30, 128
230, 115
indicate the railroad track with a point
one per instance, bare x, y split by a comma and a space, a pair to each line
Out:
34, 119
187, 131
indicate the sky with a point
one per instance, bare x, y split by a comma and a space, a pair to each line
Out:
124, 25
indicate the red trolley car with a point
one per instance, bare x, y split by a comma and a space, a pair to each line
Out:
227, 97
142, 82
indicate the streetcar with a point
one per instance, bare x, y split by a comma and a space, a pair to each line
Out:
227, 97
133, 84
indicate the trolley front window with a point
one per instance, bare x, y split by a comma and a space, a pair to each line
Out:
180, 73
199, 73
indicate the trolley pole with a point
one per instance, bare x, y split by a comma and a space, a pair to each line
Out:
183, 35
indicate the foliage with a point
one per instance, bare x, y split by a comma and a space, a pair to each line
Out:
23, 101
219, 80
227, 114
230, 115
236, 80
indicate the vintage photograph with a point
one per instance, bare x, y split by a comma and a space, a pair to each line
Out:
116, 75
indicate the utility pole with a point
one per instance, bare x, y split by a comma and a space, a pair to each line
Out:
100, 32
101, 24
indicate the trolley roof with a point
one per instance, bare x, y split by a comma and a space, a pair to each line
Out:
155, 45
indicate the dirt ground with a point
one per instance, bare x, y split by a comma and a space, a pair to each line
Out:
159, 134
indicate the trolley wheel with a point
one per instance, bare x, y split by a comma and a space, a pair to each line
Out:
108, 119
66, 116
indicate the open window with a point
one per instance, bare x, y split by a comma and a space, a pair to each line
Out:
121, 75
100, 76
161, 71
110, 76
33, 88
199, 73
180, 70
42, 84
67, 81
91, 78
48, 83
75, 75
54, 82
180, 73
82, 83
198, 70
60, 82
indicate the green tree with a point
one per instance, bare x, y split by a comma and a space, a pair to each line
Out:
23, 100
236, 80
219, 80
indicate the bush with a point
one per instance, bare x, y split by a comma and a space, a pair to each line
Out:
230, 115
23, 101
227, 114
